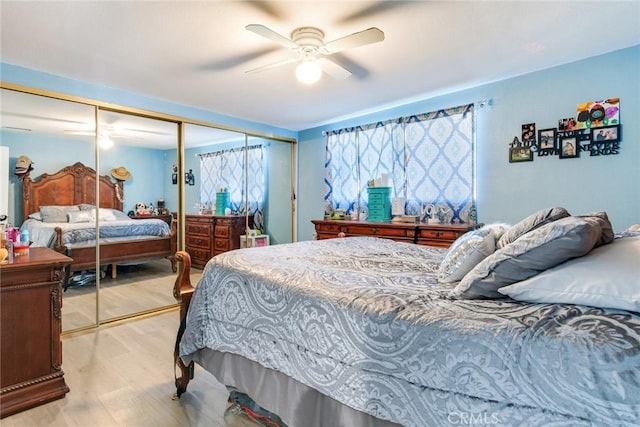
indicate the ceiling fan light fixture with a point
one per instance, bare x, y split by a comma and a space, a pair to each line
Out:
308, 71
104, 140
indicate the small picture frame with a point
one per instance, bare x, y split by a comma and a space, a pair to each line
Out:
189, 178
547, 139
520, 154
605, 134
568, 147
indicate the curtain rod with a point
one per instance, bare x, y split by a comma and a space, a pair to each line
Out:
480, 103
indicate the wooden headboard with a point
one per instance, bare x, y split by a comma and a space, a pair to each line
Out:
71, 185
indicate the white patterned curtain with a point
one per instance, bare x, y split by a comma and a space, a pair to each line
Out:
225, 169
429, 159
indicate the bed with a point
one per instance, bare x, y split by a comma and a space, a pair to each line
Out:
531, 324
59, 212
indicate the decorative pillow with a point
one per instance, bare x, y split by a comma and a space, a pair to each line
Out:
530, 223
607, 277
79, 216
119, 215
86, 207
56, 213
465, 253
36, 215
536, 251
104, 214
498, 229
603, 222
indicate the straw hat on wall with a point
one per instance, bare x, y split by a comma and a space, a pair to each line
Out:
120, 173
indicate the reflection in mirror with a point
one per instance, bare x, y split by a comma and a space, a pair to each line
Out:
54, 134
278, 208
239, 182
214, 195
136, 271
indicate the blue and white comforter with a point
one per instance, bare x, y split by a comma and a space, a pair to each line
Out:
363, 320
84, 233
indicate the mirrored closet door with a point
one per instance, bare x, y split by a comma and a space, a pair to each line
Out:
110, 161
136, 273
58, 137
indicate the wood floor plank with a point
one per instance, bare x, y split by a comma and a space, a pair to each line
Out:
122, 375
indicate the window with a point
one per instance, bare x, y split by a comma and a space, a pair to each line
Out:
428, 158
225, 169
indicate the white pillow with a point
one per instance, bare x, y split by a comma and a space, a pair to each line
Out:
104, 214
465, 253
36, 215
79, 216
607, 277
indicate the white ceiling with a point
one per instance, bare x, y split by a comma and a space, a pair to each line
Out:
196, 53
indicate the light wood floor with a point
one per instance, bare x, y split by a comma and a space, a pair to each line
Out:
136, 289
122, 375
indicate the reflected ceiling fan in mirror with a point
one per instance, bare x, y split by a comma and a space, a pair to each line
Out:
312, 52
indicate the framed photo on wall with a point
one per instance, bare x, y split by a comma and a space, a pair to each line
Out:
520, 154
605, 134
547, 139
569, 147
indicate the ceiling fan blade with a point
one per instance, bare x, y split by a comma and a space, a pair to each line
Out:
371, 35
375, 8
273, 65
268, 33
79, 132
333, 69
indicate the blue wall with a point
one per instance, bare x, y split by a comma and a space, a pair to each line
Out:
505, 191
50, 154
510, 191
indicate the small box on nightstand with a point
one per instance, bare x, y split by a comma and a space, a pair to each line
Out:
254, 241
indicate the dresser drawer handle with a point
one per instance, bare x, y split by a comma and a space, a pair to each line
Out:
374, 230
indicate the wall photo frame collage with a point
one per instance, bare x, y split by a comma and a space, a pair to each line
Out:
596, 130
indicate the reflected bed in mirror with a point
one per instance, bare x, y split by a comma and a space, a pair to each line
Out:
61, 214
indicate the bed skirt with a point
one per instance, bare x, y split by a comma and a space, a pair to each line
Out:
295, 403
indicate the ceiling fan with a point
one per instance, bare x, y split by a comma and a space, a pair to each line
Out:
312, 52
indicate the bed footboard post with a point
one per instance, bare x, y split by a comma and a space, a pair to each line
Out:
182, 291
57, 244
174, 246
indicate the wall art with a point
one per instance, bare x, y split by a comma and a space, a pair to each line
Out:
568, 146
519, 151
593, 114
547, 142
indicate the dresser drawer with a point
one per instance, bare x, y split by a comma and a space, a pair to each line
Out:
369, 230
199, 256
222, 231
203, 242
196, 228
449, 235
221, 245
328, 228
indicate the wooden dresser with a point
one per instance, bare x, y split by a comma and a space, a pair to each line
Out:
31, 321
422, 234
210, 235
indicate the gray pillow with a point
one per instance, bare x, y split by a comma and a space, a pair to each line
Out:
56, 213
603, 222
465, 253
530, 223
532, 253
